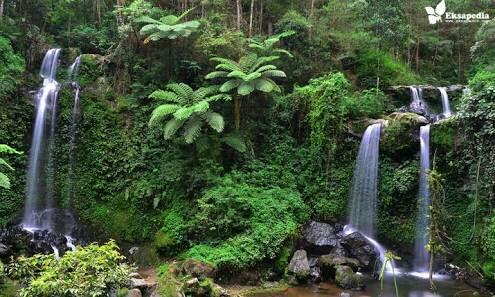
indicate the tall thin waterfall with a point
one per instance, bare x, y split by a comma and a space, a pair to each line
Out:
421, 256
362, 216
73, 71
40, 176
445, 102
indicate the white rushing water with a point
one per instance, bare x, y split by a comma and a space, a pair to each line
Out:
363, 202
445, 102
362, 206
39, 191
70, 242
421, 255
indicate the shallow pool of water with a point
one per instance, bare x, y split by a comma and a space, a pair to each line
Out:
409, 286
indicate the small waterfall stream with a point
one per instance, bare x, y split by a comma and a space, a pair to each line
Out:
40, 176
418, 105
73, 72
421, 256
445, 102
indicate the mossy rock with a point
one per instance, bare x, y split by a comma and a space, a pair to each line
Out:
346, 278
401, 133
444, 133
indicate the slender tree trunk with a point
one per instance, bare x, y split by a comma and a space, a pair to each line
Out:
238, 8
378, 67
237, 112
251, 19
261, 16
98, 11
2, 3
312, 7
417, 54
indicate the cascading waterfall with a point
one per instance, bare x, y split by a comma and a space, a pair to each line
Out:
40, 176
445, 102
73, 71
363, 202
421, 255
418, 105
362, 216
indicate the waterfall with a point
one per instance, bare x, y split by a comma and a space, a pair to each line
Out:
73, 71
445, 102
362, 205
40, 176
418, 105
363, 202
421, 256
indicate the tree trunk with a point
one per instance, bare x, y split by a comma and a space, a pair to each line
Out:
2, 3
261, 16
238, 7
251, 19
417, 54
312, 7
377, 67
98, 11
237, 112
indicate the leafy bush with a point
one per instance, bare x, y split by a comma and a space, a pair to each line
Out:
243, 224
92, 270
11, 68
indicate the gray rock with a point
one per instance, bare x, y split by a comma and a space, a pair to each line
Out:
4, 250
348, 279
299, 265
320, 238
134, 293
360, 248
134, 275
345, 294
332, 260
197, 269
138, 283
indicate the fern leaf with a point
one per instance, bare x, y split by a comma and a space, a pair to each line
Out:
261, 61
182, 90
215, 120
4, 163
147, 19
237, 74
229, 85
192, 129
274, 73
235, 142
183, 113
201, 106
263, 85
166, 96
5, 149
161, 112
219, 97
4, 181
171, 127
245, 88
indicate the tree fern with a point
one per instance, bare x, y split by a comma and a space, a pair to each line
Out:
168, 27
267, 46
4, 180
186, 109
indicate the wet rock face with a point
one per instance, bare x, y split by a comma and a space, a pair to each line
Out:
360, 248
197, 269
299, 265
15, 241
321, 238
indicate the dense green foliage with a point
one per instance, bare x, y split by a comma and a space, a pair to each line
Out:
90, 271
306, 79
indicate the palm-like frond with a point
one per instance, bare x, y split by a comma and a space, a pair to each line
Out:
182, 90
215, 120
171, 127
161, 112
4, 181
192, 129
167, 27
167, 96
235, 142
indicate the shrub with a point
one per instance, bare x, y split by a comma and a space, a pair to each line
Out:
94, 270
242, 224
11, 68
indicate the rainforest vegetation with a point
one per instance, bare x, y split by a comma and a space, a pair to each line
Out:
215, 130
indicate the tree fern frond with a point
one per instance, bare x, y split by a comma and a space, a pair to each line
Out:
4, 181
166, 96
192, 129
263, 85
235, 142
182, 90
230, 84
216, 74
147, 19
161, 112
266, 67
262, 60
245, 88
274, 73
246, 62
219, 97
5, 149
203, 92
184, 113
4, 163
285, 52
201, 106
215, 120
185, 13
171, 127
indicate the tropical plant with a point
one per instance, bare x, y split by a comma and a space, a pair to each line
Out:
267, 46
169, 27
389, 259
90, 271
4, 180
248, 74
187, 108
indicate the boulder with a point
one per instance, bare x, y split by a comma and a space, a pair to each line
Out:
134, 293
4, 250
346, 278
360, 248
299, 265
345, 294
197, 269
332, 260
320, 238
137, 283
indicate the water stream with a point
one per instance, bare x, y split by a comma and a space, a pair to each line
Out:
421, 255
445, 102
